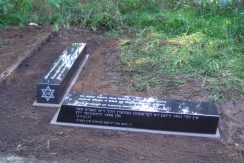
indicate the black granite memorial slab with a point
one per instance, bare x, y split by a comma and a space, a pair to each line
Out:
139, 113
51, 88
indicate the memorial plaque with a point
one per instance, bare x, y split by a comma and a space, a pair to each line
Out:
51, 88
139, 113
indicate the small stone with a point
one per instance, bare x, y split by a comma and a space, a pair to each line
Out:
219, 152
19, 148
237, 145
230, 141
48, 145
60, 133
33, 24
142, 158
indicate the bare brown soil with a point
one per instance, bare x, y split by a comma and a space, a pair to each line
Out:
16, 41
26, 132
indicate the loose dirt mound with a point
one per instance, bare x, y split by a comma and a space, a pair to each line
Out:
26, 131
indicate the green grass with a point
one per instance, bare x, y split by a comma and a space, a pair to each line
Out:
173, 46
95, 15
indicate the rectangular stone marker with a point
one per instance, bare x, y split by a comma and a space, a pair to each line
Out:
139, 113
51, 88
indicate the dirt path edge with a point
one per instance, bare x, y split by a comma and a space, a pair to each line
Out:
32, 49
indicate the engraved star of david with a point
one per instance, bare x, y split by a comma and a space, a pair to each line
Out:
47, 93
